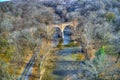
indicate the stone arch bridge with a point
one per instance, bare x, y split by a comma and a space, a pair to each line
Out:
73, 24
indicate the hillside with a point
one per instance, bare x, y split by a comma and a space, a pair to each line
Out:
43, 39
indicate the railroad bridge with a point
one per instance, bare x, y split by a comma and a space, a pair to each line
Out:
73, 24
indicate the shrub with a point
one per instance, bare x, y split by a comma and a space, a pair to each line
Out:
5, 48
48, 76
101, 53
110, 16
60, 44
80, 57
111, 50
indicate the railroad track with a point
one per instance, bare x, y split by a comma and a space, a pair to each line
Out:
28, 68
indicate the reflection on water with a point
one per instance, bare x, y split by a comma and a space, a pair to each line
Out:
67, 36
66, 63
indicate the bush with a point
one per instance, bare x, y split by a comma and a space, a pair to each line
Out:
80, 57
48, 76
110, 16
60, 46
5, 48
101, 53
111, 50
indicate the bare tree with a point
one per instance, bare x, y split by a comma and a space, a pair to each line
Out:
93, 35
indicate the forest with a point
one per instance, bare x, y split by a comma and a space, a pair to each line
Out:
59, 39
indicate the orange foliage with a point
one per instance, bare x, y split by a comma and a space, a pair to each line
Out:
11, 70
3, 57
80, 57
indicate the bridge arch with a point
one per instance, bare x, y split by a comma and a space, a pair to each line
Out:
73, 24
69, 29
57, 32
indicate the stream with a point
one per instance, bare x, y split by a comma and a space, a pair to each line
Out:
67, 67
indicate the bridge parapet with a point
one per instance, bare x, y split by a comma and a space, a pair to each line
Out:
62, 26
